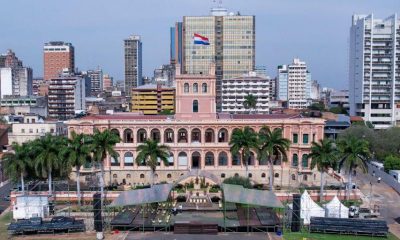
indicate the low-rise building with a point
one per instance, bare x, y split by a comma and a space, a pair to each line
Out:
23, 105
235, 90
153, 99
339, 99
33, 127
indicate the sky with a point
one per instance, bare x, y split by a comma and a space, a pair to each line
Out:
316, 31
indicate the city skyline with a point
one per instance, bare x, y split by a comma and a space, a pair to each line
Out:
320, 39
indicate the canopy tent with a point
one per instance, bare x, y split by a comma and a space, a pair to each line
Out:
335, 209
239, 194
157, 193
309, 208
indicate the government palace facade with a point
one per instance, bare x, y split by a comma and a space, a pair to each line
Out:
198, 138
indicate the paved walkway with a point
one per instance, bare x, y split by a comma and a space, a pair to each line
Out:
171, 236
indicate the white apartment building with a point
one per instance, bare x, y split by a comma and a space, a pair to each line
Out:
34, 127
374, 75
294, 84
16, 81
67, 96
235, 90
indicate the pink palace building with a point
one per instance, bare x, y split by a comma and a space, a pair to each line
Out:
199, 137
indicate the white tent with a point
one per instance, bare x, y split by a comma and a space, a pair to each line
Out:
336, 209
309, 208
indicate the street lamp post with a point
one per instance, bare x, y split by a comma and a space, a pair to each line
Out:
370, 196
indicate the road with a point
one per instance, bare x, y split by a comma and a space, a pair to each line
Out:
382, 195
4, 191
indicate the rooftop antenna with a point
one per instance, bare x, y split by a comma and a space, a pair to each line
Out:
219, 3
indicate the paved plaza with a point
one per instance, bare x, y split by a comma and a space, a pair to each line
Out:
171, 236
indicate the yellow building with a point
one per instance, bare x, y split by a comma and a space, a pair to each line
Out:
153, 99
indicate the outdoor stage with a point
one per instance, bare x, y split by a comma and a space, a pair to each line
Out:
258, 219
242, 210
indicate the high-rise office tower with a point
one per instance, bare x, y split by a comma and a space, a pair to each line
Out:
96, 80
133, 63
15, 79
374, 74
176, 48
294, 84
57, 56
231, 46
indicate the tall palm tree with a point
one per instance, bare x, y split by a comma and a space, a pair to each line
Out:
102, 143
149, 153
271, 143
77, 152
323, 156
250, 102
354, 153
243, 141
17, 163
48, 158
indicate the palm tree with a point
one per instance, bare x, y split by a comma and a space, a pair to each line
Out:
48, 158
324, 156
102, 143
17, 163
354, 152
242, 141
149, 153
77, 154
250, 102
271, 143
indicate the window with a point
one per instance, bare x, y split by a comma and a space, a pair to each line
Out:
204, 87
295, 160
195, 106
295, 138
209, 161
305, 138
128, 175
195, 88
128, 159
186, 87
236, 174
276, 175
115, 176
304, 161
115, 161
169, 136
222, 175
142, 175
222, 159
293, 177
250, 175
169, 175
22, 130
263, 175
30, 130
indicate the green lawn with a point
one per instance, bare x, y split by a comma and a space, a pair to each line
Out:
314, 236
5, 219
